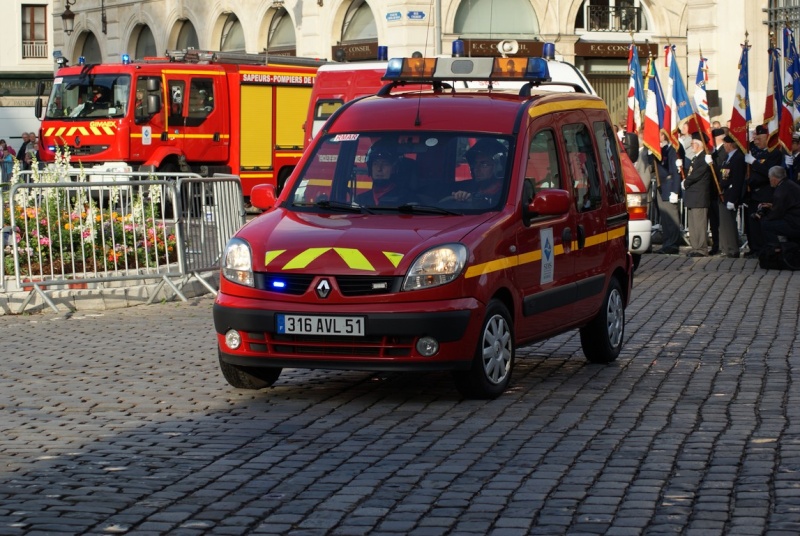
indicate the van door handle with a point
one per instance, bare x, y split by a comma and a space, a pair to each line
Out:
581, 237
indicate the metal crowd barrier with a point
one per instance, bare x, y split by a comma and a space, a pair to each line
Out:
171, 228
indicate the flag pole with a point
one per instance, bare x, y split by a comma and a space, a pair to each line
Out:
705, 144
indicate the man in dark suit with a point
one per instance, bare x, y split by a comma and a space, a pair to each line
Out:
669, 186
713, 210
732, 182
697, 197
760, 159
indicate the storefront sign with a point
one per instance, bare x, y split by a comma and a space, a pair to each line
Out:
486, 47
614, 50
364, 50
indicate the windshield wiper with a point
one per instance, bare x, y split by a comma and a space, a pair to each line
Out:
335, 205
411, 208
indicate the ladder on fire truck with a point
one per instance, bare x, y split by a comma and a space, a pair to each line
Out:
192, 55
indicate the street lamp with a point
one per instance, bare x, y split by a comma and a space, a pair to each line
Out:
68, 17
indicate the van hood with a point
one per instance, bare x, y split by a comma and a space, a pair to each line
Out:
355, 244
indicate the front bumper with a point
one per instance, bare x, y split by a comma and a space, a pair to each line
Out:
389, 341
639, 232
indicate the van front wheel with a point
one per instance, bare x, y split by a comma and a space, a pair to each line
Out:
493, 361
601, 339
249, 377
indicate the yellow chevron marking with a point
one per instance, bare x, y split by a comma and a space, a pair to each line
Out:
355, 259
271, 255
394, 258
305, 258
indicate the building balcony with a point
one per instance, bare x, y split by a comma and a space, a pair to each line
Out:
34, 49
613, 19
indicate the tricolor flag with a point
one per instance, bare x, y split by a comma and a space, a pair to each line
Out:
636, 98
791, 75
701, 102
777, 117
654, 112
680, 108
740, 117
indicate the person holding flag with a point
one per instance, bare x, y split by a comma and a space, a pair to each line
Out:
636, 97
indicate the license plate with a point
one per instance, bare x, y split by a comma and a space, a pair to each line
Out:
352, 326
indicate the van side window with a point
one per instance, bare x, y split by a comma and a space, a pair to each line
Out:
609, 158
542, 168
583, 167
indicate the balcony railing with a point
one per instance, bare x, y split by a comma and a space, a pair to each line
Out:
614, 19
34, 49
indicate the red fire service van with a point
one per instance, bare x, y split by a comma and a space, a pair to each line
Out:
338, 83
435, 230
207, 112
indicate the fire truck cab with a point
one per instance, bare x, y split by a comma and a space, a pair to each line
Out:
501, 221
206, 112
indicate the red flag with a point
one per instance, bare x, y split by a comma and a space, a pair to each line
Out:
740, 117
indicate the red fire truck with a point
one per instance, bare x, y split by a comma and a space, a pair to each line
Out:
206, 112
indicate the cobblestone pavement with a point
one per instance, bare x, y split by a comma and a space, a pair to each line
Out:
119, 422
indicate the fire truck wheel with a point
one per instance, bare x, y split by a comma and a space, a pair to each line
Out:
494, 356
249, 377
601, 339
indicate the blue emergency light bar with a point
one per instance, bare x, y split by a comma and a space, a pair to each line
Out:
419, 70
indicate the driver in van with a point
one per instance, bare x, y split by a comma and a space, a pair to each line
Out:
383, 162
486, 159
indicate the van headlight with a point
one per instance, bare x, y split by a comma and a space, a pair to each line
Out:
237, 262
436, 267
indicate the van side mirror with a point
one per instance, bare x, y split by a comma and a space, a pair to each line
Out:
263, 196
38, 108
39, 88
548, 202
153, 84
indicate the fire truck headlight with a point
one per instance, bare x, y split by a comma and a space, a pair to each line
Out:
437, 266
237, 263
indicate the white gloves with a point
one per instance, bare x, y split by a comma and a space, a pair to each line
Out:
683, 185
709, 159
749, 158
673, 198
789, 159
730, 206
679, 163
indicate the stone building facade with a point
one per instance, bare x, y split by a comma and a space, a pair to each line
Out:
594, 34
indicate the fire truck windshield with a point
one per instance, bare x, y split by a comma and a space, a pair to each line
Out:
76, 97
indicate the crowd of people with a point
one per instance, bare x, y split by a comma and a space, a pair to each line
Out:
714, 184
27, 155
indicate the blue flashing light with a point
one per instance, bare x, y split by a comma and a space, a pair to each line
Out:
537, 69
279, 284
81, 60
383, 53
394, 68
51, 148
458, 48
126, 59
549, 51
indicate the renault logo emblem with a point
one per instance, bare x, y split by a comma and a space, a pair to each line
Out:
323, 288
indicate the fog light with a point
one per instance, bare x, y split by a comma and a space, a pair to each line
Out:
637, 242
232, 339
427, 346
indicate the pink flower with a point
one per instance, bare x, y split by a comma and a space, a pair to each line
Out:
44, 241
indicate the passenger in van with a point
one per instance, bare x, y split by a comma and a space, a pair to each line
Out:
383, 161
486, 161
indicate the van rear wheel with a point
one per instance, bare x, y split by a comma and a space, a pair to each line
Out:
493, 361
249, 377
601, 339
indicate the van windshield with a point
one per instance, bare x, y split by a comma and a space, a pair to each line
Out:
89, 96
387, 172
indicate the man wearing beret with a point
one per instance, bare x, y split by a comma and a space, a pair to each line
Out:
697, 197
760, 159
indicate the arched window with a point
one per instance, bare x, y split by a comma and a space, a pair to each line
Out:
187, 36
611, 16
232, 35
145, 44
91, 49
496, 18
281, 35
359, 23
